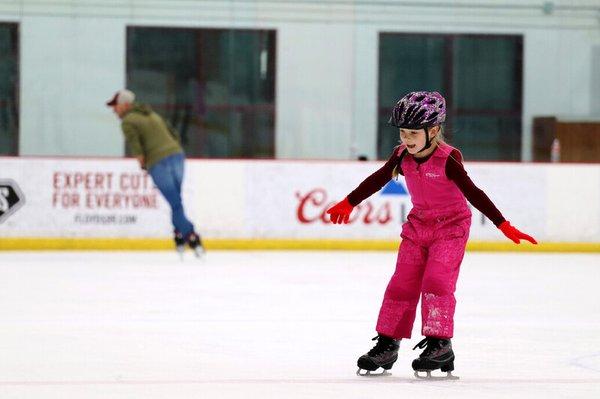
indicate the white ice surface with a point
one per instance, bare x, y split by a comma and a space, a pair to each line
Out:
285, 325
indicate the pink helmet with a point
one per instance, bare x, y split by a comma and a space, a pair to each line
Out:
419, 110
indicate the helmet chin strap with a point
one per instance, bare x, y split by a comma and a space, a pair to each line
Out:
427, 141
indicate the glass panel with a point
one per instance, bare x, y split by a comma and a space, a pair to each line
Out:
216, 86
480, 76
487, 138
406, 63
487, 73
487, 97
9, 80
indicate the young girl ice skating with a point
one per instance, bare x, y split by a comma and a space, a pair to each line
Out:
434, 236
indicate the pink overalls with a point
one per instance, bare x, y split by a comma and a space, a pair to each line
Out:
433, 245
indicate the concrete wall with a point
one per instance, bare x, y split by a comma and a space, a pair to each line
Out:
73, 59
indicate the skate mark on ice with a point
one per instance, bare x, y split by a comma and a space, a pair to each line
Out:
587, 362
252, 381
292, 381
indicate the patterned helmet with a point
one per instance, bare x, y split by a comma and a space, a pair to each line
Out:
418, 110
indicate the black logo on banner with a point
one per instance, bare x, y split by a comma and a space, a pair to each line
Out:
11, 198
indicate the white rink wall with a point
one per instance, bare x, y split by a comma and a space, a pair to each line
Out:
282, 200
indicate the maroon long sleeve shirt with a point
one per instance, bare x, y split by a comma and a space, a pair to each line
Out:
455, 171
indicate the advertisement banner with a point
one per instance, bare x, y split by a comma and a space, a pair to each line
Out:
271, 200
83, 198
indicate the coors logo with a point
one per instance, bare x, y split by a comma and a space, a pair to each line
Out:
11, 198
312, 207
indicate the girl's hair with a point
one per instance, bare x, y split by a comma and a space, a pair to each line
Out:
440, 135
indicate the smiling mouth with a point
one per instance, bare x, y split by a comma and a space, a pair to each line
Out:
411, 146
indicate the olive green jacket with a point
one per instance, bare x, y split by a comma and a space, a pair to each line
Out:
149, 135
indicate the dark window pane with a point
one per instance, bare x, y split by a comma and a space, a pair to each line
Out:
9, 80
487, 97
216, 86
406, 63
487, 137
485, 71
480, 76
409, 63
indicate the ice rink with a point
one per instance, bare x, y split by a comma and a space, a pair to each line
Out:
285, 325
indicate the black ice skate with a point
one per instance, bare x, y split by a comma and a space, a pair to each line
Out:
438, 354
179, 243
383, 355
195, 243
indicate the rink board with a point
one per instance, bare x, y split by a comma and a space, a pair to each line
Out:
141, 244
240, 204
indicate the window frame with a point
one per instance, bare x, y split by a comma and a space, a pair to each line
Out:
16, 43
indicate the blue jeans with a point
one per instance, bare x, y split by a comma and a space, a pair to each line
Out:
168, 175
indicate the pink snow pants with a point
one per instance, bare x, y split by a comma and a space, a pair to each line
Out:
432, 248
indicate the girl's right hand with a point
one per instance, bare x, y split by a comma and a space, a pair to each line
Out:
340, 212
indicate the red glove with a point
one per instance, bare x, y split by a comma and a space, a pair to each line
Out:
515, 234
340, 212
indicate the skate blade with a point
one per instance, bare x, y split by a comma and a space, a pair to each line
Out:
180, 251
428, 376
199, 252
368, 373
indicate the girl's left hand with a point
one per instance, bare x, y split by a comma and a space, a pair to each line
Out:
515, 234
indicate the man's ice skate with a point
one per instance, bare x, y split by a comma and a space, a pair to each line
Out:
383, 355
179, 243
438, 354
195, 243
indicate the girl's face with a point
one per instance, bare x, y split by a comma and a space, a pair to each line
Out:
413, 139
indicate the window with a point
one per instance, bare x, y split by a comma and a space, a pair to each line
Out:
9, 86
216, 86
479, 75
